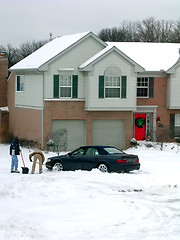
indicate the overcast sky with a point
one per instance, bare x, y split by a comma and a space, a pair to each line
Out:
27, 20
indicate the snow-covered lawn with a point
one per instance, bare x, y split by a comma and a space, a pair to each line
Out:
82, 205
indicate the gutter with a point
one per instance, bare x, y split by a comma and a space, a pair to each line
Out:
42, 117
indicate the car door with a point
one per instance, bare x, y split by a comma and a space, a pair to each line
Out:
89, 159
75, 159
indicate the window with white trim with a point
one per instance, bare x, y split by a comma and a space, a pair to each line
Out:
112, 87
20, 83
112, 82
143, 87
65, 84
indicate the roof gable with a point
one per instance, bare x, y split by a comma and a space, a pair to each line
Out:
51, 50
87, 66
149, 56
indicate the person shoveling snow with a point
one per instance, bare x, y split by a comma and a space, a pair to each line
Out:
38, 155
14, 151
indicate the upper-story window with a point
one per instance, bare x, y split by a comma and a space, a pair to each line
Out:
145, 87
65, 84
20, 83
142, 87
112, 87
112, 83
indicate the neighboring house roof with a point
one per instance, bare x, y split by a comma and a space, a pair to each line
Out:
50, 51
150, 56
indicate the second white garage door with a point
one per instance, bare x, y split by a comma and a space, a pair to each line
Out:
108, 132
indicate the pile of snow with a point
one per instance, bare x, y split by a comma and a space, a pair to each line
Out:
83, 205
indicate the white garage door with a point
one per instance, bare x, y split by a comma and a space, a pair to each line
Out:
75, 129
108, 132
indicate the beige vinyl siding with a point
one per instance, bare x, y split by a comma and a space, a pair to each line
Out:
72, 59
31, 96
93, 102
173, 99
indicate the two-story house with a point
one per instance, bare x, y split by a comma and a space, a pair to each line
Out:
102, 93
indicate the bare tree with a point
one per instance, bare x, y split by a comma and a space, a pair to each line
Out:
58, 140
148, 30
15, 54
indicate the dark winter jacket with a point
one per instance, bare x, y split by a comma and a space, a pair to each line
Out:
14, 147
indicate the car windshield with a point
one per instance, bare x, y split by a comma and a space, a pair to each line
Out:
111, 150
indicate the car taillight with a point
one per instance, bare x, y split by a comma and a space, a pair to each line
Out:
137, 160
121, 161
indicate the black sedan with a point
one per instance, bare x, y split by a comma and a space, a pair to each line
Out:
104, 158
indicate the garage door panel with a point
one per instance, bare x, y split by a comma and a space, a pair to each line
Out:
108, 132
76, 131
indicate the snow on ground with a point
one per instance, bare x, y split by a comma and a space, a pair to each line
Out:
83, 205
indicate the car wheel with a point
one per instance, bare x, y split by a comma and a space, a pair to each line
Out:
103, 167
58, 166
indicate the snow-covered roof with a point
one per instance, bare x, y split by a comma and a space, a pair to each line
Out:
150, 56
95, 57
48, 51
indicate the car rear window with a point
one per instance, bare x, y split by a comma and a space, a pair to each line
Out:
113, 150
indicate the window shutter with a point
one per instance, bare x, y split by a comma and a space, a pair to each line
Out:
123, 86
18, 83
172, 125
101, 86
56, 86
151, 87
75, 86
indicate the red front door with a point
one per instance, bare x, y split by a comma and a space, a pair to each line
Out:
140, 126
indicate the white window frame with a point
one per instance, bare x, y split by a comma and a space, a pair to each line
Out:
143, 86
177, 120
63, 78
112, 82
21, 83
177, 125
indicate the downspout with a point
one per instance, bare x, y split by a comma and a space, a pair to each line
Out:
42, 116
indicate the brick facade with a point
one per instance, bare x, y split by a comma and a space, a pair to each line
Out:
160, 100
3, 80
24, 123
75, 110
4, 114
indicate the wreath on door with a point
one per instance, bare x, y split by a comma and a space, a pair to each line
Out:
139, 122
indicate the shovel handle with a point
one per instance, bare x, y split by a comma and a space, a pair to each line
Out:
22, 159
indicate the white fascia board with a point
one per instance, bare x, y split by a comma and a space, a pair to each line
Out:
87, 66
173, 68
173, 107
115, 109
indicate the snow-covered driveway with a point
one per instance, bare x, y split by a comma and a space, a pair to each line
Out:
82, 205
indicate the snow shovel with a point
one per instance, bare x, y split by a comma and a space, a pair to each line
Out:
25, 170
